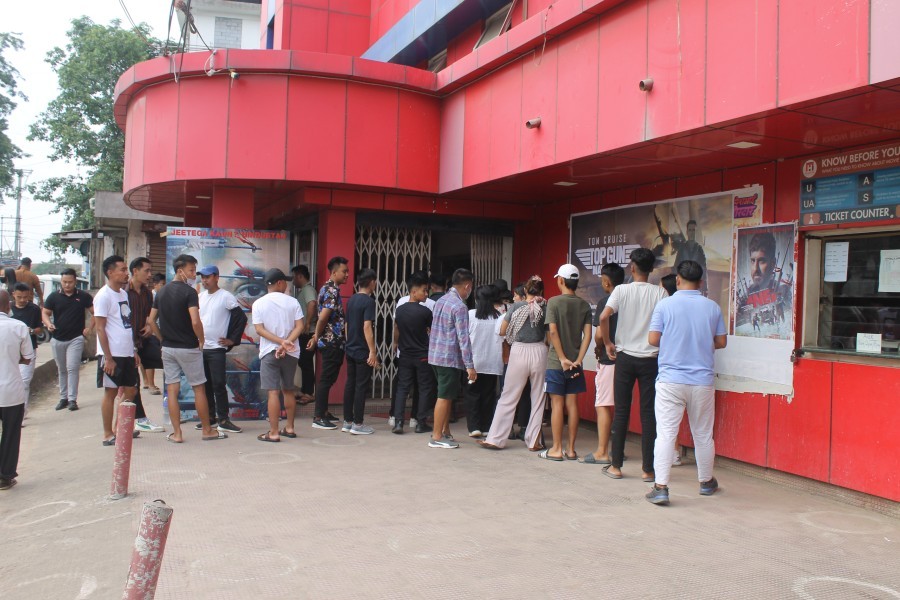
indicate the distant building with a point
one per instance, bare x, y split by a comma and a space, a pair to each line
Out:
224, 24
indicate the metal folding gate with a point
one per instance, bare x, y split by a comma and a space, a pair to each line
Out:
393, 253
487, 257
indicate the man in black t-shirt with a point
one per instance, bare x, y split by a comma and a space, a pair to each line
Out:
26, 311
67, 309
611, 275
180, 330
412, 324
362, 356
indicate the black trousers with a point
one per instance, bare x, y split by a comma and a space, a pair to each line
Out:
332, 359
11, 420
628, 370
481, 402
359, 378
216, 391
139, 412
305, 362
412, 373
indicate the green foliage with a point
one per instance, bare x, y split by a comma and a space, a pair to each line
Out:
79, 123
8, 93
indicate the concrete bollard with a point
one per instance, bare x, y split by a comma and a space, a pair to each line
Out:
124, 441
149, 545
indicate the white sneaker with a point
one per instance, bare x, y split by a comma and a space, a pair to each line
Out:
391, 421
361, 430
413, 422
677, 462
348, 426
146, 425
475, 434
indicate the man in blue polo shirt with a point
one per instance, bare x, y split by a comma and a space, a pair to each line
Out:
688, 328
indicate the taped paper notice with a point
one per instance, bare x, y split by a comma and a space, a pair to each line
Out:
836, 259
868, 342
889, 272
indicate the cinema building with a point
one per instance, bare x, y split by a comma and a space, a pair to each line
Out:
451, 133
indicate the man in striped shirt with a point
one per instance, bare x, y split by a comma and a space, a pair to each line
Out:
449, 352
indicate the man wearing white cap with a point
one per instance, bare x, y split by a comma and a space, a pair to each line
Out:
569, 323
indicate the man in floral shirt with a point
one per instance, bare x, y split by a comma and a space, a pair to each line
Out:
330, 337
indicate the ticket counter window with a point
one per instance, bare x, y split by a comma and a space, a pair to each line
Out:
858, 294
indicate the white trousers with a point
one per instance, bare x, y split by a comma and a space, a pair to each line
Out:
671, 401
527, 363
27, 373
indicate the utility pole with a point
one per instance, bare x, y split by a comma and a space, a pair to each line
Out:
18, 224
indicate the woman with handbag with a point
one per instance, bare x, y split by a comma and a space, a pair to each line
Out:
523, 327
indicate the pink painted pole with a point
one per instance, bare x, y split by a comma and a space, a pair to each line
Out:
149, 545
124, 440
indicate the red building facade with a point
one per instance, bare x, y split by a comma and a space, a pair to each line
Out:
312, 137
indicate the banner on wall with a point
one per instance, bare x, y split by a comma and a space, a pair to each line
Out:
242, 256
698, 228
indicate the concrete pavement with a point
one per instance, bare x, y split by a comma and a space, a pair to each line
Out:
330, 515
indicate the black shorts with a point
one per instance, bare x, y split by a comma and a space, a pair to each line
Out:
151, 353
125, 374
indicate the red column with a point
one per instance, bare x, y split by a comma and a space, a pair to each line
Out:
232, 207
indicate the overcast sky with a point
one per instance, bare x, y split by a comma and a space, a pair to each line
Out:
41, 30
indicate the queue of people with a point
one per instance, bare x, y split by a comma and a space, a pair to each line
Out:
505, 357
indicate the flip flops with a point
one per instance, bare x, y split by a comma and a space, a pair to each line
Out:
611, 475
545, 454
174, 441
284, 433
264, 437
590, 459
573, 456
219, 436
110, 442
487, 445
650, 479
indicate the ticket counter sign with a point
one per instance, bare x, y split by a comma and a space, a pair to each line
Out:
851, 187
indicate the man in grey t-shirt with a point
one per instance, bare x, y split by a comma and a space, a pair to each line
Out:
307, 296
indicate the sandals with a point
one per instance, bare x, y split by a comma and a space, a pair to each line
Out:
487, 445
545, 454
573, 456
611, 475
219, 436
590, 459
264, 437
110, 442
285, 433
169, 439
155, 391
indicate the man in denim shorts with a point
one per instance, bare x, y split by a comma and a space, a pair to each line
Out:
180, 330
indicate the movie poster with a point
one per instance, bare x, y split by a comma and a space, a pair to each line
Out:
242, 256
695, 228
764, 267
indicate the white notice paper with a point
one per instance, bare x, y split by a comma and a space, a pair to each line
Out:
836, 255
868, 342
889, 273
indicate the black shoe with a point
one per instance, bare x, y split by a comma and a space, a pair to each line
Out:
512, 435
199, 426
73, 405
330, 417
423, 427
323, 424
708, 488
229, 427
398, 427
62, 404
5, 484
521, 434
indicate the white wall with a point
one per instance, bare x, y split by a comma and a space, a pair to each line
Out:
205, 14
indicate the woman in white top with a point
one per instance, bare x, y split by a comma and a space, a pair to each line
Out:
487, 354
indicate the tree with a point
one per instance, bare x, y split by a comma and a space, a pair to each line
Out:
8, 93
79, 123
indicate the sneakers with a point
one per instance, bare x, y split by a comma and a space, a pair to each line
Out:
330, 417
347, 428
658, 495
227, 426
5, 484
146, 425
442, 443
391, 421
398, 427
422, 427
475, 434
73, 405
62, 404
413, 422
199, 426
677, 462
321, 423
360, 429
708, 488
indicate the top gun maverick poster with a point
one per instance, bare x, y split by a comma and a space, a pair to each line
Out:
243, 256
693, 228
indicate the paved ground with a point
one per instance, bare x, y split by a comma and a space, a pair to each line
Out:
329, 515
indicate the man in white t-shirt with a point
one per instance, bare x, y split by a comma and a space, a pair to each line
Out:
278, 319
216, 305
15, 349
117, 362
635, 359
